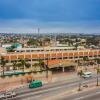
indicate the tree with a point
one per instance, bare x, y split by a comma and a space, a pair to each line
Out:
98, 71
76, 46
3, 63
35, 66
97, 60
85, 59
15, 65
33, 42
80, 73
47, 68
41, 64
23, 63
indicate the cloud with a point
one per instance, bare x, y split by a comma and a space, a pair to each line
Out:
50, 15
26, 25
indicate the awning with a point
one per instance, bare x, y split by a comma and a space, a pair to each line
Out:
60, 63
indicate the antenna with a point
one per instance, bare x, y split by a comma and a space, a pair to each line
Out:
38, 30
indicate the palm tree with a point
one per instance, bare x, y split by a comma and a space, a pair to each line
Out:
41, 64
80, 73
98, 71
15, 65
3, 63
44, 66
85, 59
97, 60
22, 63
78, 62
76, 46
36, 65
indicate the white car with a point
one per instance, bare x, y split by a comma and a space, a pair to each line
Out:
2, 96
9, 94
87, 74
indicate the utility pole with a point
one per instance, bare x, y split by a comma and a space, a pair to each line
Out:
47, 68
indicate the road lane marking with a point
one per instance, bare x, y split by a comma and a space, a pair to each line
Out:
48, 90
32, 98
89, 95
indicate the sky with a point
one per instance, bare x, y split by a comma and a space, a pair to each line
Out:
50, 16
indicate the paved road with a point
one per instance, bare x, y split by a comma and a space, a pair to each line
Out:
87, 95
50, 90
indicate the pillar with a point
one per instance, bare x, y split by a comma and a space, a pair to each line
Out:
31, 61
63, 69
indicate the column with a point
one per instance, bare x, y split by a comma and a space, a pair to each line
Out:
31, 61
63, 69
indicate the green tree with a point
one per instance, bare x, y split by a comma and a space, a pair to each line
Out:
98, 72
85, 59
33, 42
80, 73
36, 65
41, 64
3, 63
97, 60
23, 63
14, 65
46, 67
76, 46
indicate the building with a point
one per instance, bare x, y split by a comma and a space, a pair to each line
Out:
55, 55
52, 52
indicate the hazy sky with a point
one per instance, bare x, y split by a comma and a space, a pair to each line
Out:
50, 15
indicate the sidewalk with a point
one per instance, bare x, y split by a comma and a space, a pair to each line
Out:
64, 76
68, 76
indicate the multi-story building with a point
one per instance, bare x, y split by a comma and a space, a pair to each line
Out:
52, 54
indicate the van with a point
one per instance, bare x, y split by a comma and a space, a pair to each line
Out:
35, 84
87, 74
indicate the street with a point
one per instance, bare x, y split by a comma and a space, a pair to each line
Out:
57, 91
87, 95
